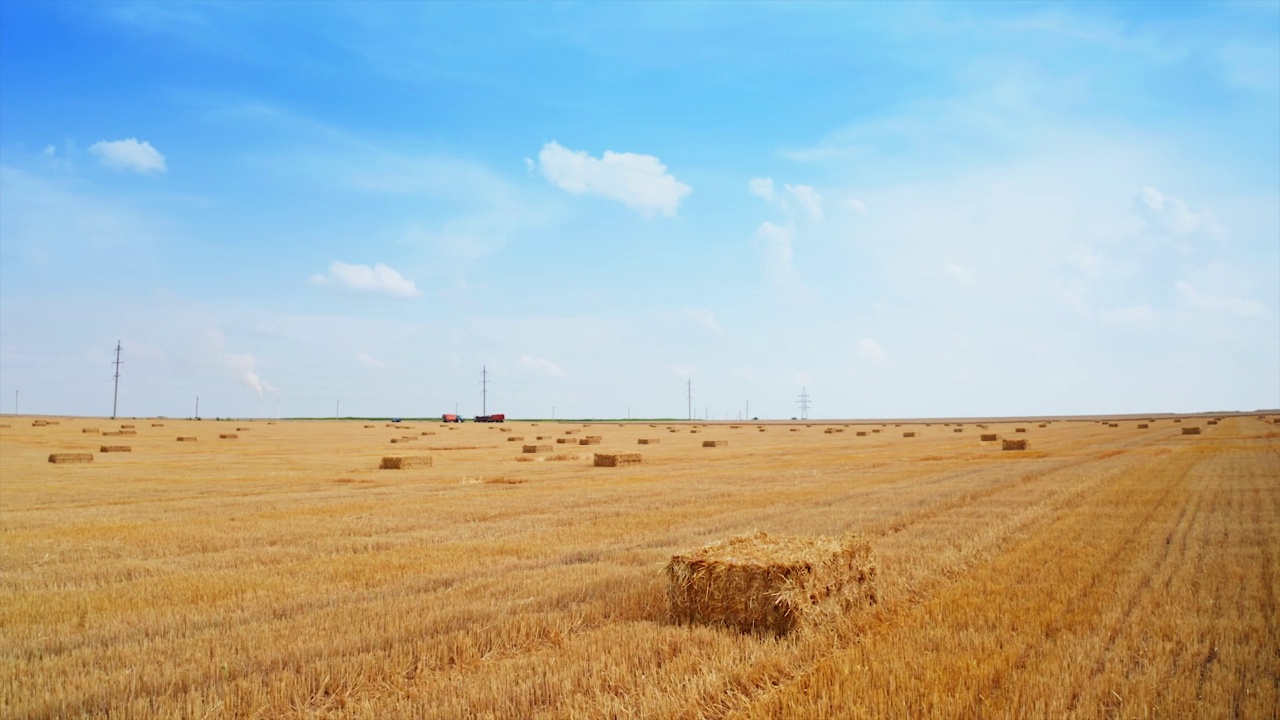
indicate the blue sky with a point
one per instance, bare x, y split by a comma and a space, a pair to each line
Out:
904, 209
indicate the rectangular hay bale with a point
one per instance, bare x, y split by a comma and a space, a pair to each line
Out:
989, 437
648, 441
536, 448
228, 436
862, 433
115, 448
590, 440
908, 434
70, 458
1190, 431
615, 459
715, 443
405, 462
1013, 445
186, 438
766, 584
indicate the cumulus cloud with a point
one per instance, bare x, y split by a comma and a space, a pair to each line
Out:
641, 182
129, 155
244, 366
808, 198
1172, 215
370, 361
761, 188
1239, 306
378, 279
542, 365
870, 350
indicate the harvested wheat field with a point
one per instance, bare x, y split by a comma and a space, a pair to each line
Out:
1101, 572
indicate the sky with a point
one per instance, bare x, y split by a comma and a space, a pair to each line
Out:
637, 209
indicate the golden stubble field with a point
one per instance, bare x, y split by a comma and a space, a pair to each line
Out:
1104, 572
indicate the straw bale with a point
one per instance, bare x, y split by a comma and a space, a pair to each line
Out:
875, 430
427, 432
616, 459
126, 427
1018, 430
693, 432
908, 434
1142, 426
565, 441
989, 437
1190, 431
761, 429
715, 443
157, 424
543, 437
536, 448
862, 433
68, 458
515, 438
1177, 420
405, 462
767, 584
1013, 445
828, 431
115, 448
1042, 425
227, 436
39, 423
242, 429
795, 429
369, 426
956, 430
1212, 422
94, 431
186, 438
590, 440
648, 441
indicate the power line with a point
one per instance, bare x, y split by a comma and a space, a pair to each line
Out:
115, 395
804, 404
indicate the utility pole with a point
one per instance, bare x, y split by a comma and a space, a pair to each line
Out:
197, 407
690, 391
115, 396
484, 390
337, 405
804, 404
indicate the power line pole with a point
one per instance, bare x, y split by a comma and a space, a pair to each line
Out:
804, 404
115, 396
197, 407
690, 391
484, 390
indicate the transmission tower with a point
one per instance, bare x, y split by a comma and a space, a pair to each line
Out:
115, 395
689, 390
484, 390
803, 402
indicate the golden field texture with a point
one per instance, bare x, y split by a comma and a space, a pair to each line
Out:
1103, 572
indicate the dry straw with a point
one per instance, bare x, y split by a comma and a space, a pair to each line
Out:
405, 462
1014, 445
714, 443
70, 458
989, 437
115, 448
768, 584
1190, 431
616, 459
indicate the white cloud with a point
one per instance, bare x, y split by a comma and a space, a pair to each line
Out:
370, 361
761, 188
1239, 306
378, 279
542, 365
129, 155
641, 182
1173, 215
857, 205
808, 198
870, 350
778, 256
705, 319
49, 151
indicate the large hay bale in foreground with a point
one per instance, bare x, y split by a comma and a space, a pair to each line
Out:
771, 584
1013, 445
115, 448
405, 462
1190, 431
715, 443
70, 458
616, 459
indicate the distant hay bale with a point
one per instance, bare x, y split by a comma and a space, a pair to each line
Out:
862, 433
648, 441
715, 443
505, 481
1043, 425
536, 448
543, 437
369, 426
875, 430
242, 429
70, 458
771, 584
565, 441
908, 434
39, 423
126, 427
405, 462
186, 438
590, 440
1190, 431
427, 432
1014, 445
829, 431
115, 448
93, 431
795, 429
1212, 422
1114, 425
1177, 420
515, 438
760, 429
956, 430
1142, 426
989, 437
157, 424
693, 432
616, 459
839, 430
228, 436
